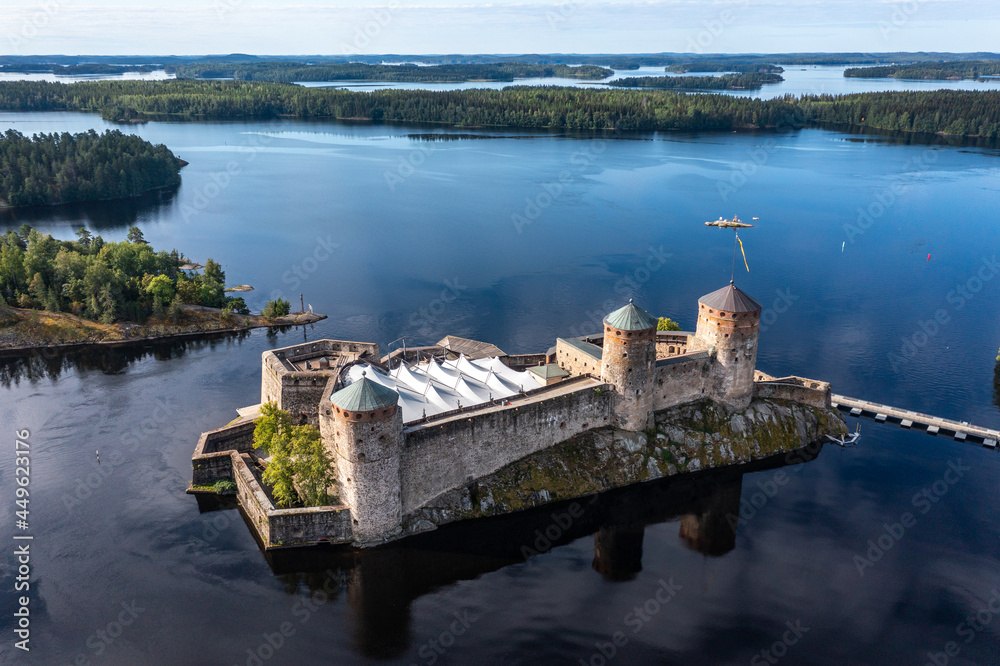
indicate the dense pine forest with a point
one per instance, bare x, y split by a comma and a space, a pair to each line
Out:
290, 72
940, 71
103, 281
957, 112
60, 168
750, 81
965, 113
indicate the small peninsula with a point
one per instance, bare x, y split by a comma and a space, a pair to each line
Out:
59, 293
48, 169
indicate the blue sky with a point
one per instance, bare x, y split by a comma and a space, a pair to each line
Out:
461, 26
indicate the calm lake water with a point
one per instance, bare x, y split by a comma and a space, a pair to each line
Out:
371, 224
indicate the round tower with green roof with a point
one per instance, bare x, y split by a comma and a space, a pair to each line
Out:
363, 427
627, 364
729, 324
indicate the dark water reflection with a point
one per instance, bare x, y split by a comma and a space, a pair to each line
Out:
50, 363
381, 584
95, 215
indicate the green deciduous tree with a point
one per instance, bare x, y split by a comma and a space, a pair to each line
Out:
161, 287
667, 324
297, 457
311, 465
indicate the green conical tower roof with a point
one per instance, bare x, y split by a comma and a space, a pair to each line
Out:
364, 395
631, 318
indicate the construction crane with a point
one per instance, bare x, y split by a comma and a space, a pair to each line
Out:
734, 223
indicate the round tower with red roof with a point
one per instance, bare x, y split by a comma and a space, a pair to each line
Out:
729, 325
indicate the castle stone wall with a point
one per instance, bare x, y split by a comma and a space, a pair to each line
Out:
672, 343
211, 460
299, 392
321, 523
576, 362
252, 498
682, 379
300, 397
286, 526
524, 361
206, 470
270, 382
443, 455
817, 395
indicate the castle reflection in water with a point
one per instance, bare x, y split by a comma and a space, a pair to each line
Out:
380, 584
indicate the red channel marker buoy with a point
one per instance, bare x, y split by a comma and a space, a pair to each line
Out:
928, 257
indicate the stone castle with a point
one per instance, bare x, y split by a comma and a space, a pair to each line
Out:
628, 405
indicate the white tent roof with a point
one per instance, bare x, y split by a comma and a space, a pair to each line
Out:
432, 388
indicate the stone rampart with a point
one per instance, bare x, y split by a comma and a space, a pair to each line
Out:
310, 525
278, 527
682, 379
524, 361
211, 460
804, 391
444, 454
298, 391
252, 497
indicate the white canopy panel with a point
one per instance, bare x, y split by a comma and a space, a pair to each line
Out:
432, 388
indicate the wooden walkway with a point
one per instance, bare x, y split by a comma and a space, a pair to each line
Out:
958, 430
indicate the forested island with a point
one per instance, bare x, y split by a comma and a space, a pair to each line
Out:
938, 71
715, 66
955, 112
91, 290
290, 72
749, 81
60, 168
